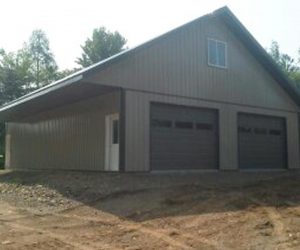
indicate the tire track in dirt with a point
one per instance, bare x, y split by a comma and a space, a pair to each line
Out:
50, 234
156, 234
130, 225
209, 242
275, 218
125, 224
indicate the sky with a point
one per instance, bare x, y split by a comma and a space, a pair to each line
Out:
68, 23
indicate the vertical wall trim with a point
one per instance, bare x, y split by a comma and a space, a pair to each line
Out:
107, 138
298, 129
7, 149
293, 142
122, 123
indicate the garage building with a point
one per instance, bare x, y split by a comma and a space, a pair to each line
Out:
204, 96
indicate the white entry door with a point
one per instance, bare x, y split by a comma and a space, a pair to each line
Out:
112, 139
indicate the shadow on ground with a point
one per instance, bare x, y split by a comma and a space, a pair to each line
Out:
142, 197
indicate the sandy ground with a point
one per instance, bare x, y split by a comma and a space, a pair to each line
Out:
76, 210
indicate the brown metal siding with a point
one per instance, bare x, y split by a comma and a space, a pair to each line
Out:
70, 137
177, 65
138, 130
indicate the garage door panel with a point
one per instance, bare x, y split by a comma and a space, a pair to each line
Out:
262, 142
181, 163
175, 145
187, 139
189, 142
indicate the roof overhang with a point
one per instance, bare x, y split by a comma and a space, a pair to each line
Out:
50, 98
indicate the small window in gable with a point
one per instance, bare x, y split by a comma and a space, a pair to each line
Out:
217, 53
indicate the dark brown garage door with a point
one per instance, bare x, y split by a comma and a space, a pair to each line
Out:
183, 138
262, 142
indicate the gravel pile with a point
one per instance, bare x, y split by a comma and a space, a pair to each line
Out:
48, 191
53, 191
39, 196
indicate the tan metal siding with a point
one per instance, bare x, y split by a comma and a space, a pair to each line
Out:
138, 137
70, 137
177, 65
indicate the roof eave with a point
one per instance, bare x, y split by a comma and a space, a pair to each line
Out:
42, 91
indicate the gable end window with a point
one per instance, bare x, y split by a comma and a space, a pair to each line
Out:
217, 53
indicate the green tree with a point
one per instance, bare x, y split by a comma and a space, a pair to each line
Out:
274, 51
14, 82
296, 78
14, 77
289, 65
285, 62
102, 45
298, 73
43, 66
66, 72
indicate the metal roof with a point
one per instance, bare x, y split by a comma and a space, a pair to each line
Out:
230, 19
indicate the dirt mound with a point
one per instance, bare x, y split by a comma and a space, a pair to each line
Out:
75, 210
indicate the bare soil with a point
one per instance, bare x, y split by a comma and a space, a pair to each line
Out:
78, 210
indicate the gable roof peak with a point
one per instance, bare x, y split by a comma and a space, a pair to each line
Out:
229, 19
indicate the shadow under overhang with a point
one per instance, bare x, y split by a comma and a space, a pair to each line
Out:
65, 95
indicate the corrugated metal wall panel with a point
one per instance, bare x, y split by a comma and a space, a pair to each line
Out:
70, 137
138, 131
177, 65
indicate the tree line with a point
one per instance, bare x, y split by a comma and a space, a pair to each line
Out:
34, 66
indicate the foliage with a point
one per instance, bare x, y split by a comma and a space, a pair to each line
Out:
66, 72
286, 62
289, 65
27, 69
102, 45
43, 66
296, 75
14, 77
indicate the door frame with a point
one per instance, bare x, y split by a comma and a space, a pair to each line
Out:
108, 138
